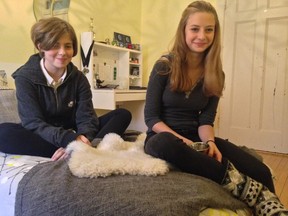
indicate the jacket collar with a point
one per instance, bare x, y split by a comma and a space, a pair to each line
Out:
32, 70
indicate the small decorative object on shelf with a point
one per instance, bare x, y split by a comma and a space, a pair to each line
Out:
134, 71
134, 60
136, 46
114, 43
107, 41
91, 28
115, 73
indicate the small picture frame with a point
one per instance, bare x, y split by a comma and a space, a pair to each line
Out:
122, 40
127, 40
134, 71
118, 37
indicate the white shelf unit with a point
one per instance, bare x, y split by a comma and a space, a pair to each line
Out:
115, 65
110, 99
128, 65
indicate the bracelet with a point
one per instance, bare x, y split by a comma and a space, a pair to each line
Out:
210, 141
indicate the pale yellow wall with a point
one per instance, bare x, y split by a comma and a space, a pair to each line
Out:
152, 23
123, 16
17, 17
159, 22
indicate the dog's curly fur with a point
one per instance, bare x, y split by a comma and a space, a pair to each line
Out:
115, 156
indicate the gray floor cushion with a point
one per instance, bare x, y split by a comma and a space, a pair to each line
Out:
51, 189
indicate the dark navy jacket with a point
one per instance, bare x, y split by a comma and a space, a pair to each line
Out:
60, 115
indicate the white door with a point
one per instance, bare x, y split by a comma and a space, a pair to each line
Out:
254, 108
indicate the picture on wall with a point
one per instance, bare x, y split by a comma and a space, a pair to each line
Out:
51, 8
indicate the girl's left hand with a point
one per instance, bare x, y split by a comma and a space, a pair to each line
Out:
214, 152
83, 139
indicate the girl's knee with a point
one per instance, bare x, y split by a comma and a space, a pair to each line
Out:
163, 137
125, 113
158, 142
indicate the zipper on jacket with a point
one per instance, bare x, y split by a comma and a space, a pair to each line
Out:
55, 87
56, 97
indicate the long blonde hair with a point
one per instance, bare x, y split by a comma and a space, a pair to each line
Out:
213, 72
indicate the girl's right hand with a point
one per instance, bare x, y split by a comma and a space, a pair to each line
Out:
214, 152
59, 154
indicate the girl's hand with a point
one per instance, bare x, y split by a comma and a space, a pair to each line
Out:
59, 154
214, 151
83, 139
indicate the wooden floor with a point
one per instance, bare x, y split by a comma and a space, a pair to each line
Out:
279, 165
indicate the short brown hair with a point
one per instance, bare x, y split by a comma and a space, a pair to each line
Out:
46, 32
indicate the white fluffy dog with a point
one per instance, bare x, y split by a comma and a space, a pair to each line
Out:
113, 155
